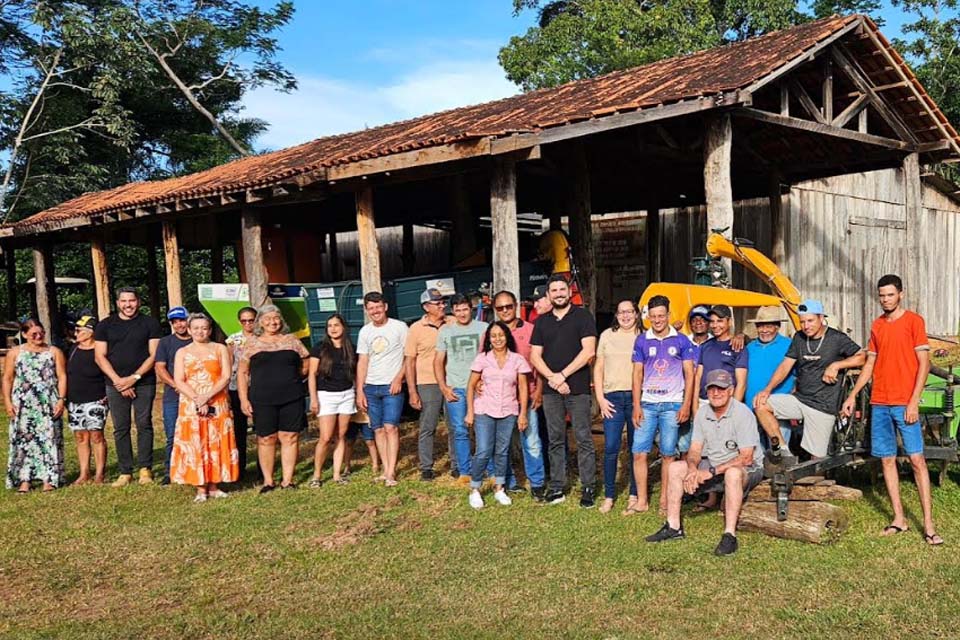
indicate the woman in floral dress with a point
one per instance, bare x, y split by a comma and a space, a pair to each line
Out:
34, 392
204, 445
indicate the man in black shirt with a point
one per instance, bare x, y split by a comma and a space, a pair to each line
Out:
126, 344
564, 342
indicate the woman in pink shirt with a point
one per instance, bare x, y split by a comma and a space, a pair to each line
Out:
501, 407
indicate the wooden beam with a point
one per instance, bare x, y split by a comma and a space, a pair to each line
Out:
171, 259
784, 99
863, 121
852, 110
153, 280
45, 288
717, 153
913, 210
857, 77
101, 276
253, 265
367, 241
10, 262
823, 129
827, 91
807, 102
581, 227
503, 222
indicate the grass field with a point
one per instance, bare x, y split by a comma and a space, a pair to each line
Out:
361, 560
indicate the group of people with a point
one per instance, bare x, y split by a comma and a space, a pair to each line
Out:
717, 408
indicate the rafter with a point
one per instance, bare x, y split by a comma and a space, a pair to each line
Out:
859, 80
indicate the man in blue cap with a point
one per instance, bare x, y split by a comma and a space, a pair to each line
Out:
819, 354
163, 366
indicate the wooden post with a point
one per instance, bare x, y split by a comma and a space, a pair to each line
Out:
653, 244
253, 257
367, 242
45, 288
153, 280
216, 263
913, 209
11, 263
407, 255
463, 230
581, 228
503, 223
778, 252
171, 257
717, 146
101, 277
334, 256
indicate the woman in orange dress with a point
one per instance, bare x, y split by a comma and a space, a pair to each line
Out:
204, 445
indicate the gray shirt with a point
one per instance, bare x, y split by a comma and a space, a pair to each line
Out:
723, 437
461, 343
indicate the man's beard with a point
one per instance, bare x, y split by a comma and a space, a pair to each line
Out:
558, 305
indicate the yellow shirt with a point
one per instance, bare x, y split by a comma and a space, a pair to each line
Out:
616, 349
422, 344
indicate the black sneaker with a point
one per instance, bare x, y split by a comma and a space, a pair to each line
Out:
538, 494
554, 496
728, 544
454, 473
427, 475
588, 498
666, 533
516, 489
267, 488
165, 481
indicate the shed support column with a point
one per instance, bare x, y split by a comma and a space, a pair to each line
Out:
653, 244
171, 257
913, 209
45, 287
503, 223
216, 263
153, 281
463, 231
717, 146
334, 256
101, 277
778, 252
581, 228
253, 265
10, 256
367, 242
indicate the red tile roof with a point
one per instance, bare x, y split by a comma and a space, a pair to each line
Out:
706, 73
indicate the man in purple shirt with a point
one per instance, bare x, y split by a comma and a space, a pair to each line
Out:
662, 391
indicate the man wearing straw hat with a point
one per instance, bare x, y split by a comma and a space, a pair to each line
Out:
766, 353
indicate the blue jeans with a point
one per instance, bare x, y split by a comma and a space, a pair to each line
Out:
170, 412
612, 437
456, 414
382, 406
493, 441
532, 455
658, 417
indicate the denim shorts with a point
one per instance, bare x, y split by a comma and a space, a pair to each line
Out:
383, 407
658, 417
361, 428
885, 421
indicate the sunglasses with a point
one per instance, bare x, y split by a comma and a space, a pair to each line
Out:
248, 320
504, 307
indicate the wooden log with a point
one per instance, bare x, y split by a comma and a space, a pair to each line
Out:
10, 256
44, 287
807, 493
101, 277
717, 149
153, 280
254, 267
581, 227
816, 522
367, 242
503, 220
171, 258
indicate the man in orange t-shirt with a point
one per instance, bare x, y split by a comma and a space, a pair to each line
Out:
898, 359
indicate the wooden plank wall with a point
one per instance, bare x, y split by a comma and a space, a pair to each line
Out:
430, 249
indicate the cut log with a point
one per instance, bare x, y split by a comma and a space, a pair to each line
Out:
816, 522
806, 493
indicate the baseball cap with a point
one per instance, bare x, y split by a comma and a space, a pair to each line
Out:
719, 378
701, 311
538, 292
431, 295
721, 311
811, 306
86, 322
177, 313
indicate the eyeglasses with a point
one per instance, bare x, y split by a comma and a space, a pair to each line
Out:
505, 307
628, 312
247, 320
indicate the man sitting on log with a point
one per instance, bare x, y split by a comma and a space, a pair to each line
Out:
820, 353
725, 432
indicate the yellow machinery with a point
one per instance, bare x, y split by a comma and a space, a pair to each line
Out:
684, 297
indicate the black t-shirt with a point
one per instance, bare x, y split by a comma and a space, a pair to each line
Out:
560, 339
340, 378
813, 356
275, 377
85, 381
128, 342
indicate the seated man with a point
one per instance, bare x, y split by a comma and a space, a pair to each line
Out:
766, 354
725, 431
819, 353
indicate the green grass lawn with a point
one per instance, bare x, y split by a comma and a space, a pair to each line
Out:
361, 560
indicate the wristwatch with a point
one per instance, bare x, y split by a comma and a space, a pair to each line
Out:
713, 471
136, 377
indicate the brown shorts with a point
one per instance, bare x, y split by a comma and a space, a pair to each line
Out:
715, 484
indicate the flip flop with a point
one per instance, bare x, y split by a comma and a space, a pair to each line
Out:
933, 539
892, 530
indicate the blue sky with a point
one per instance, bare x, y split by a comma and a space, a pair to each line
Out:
368, 62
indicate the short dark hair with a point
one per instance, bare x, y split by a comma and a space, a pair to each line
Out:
658, 301
504, 292
123, 290
458, 299
244, 310
373, 296
557, 277
890, 279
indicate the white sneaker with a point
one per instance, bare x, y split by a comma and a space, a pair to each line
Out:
502, 497
201, 497
476, 500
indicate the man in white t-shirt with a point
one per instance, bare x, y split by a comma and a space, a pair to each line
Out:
380, 379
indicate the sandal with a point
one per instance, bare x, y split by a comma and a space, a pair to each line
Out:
391, 483
315, 483
892, 530
342, 480
933, 539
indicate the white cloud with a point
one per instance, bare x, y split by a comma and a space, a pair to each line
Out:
324, 106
